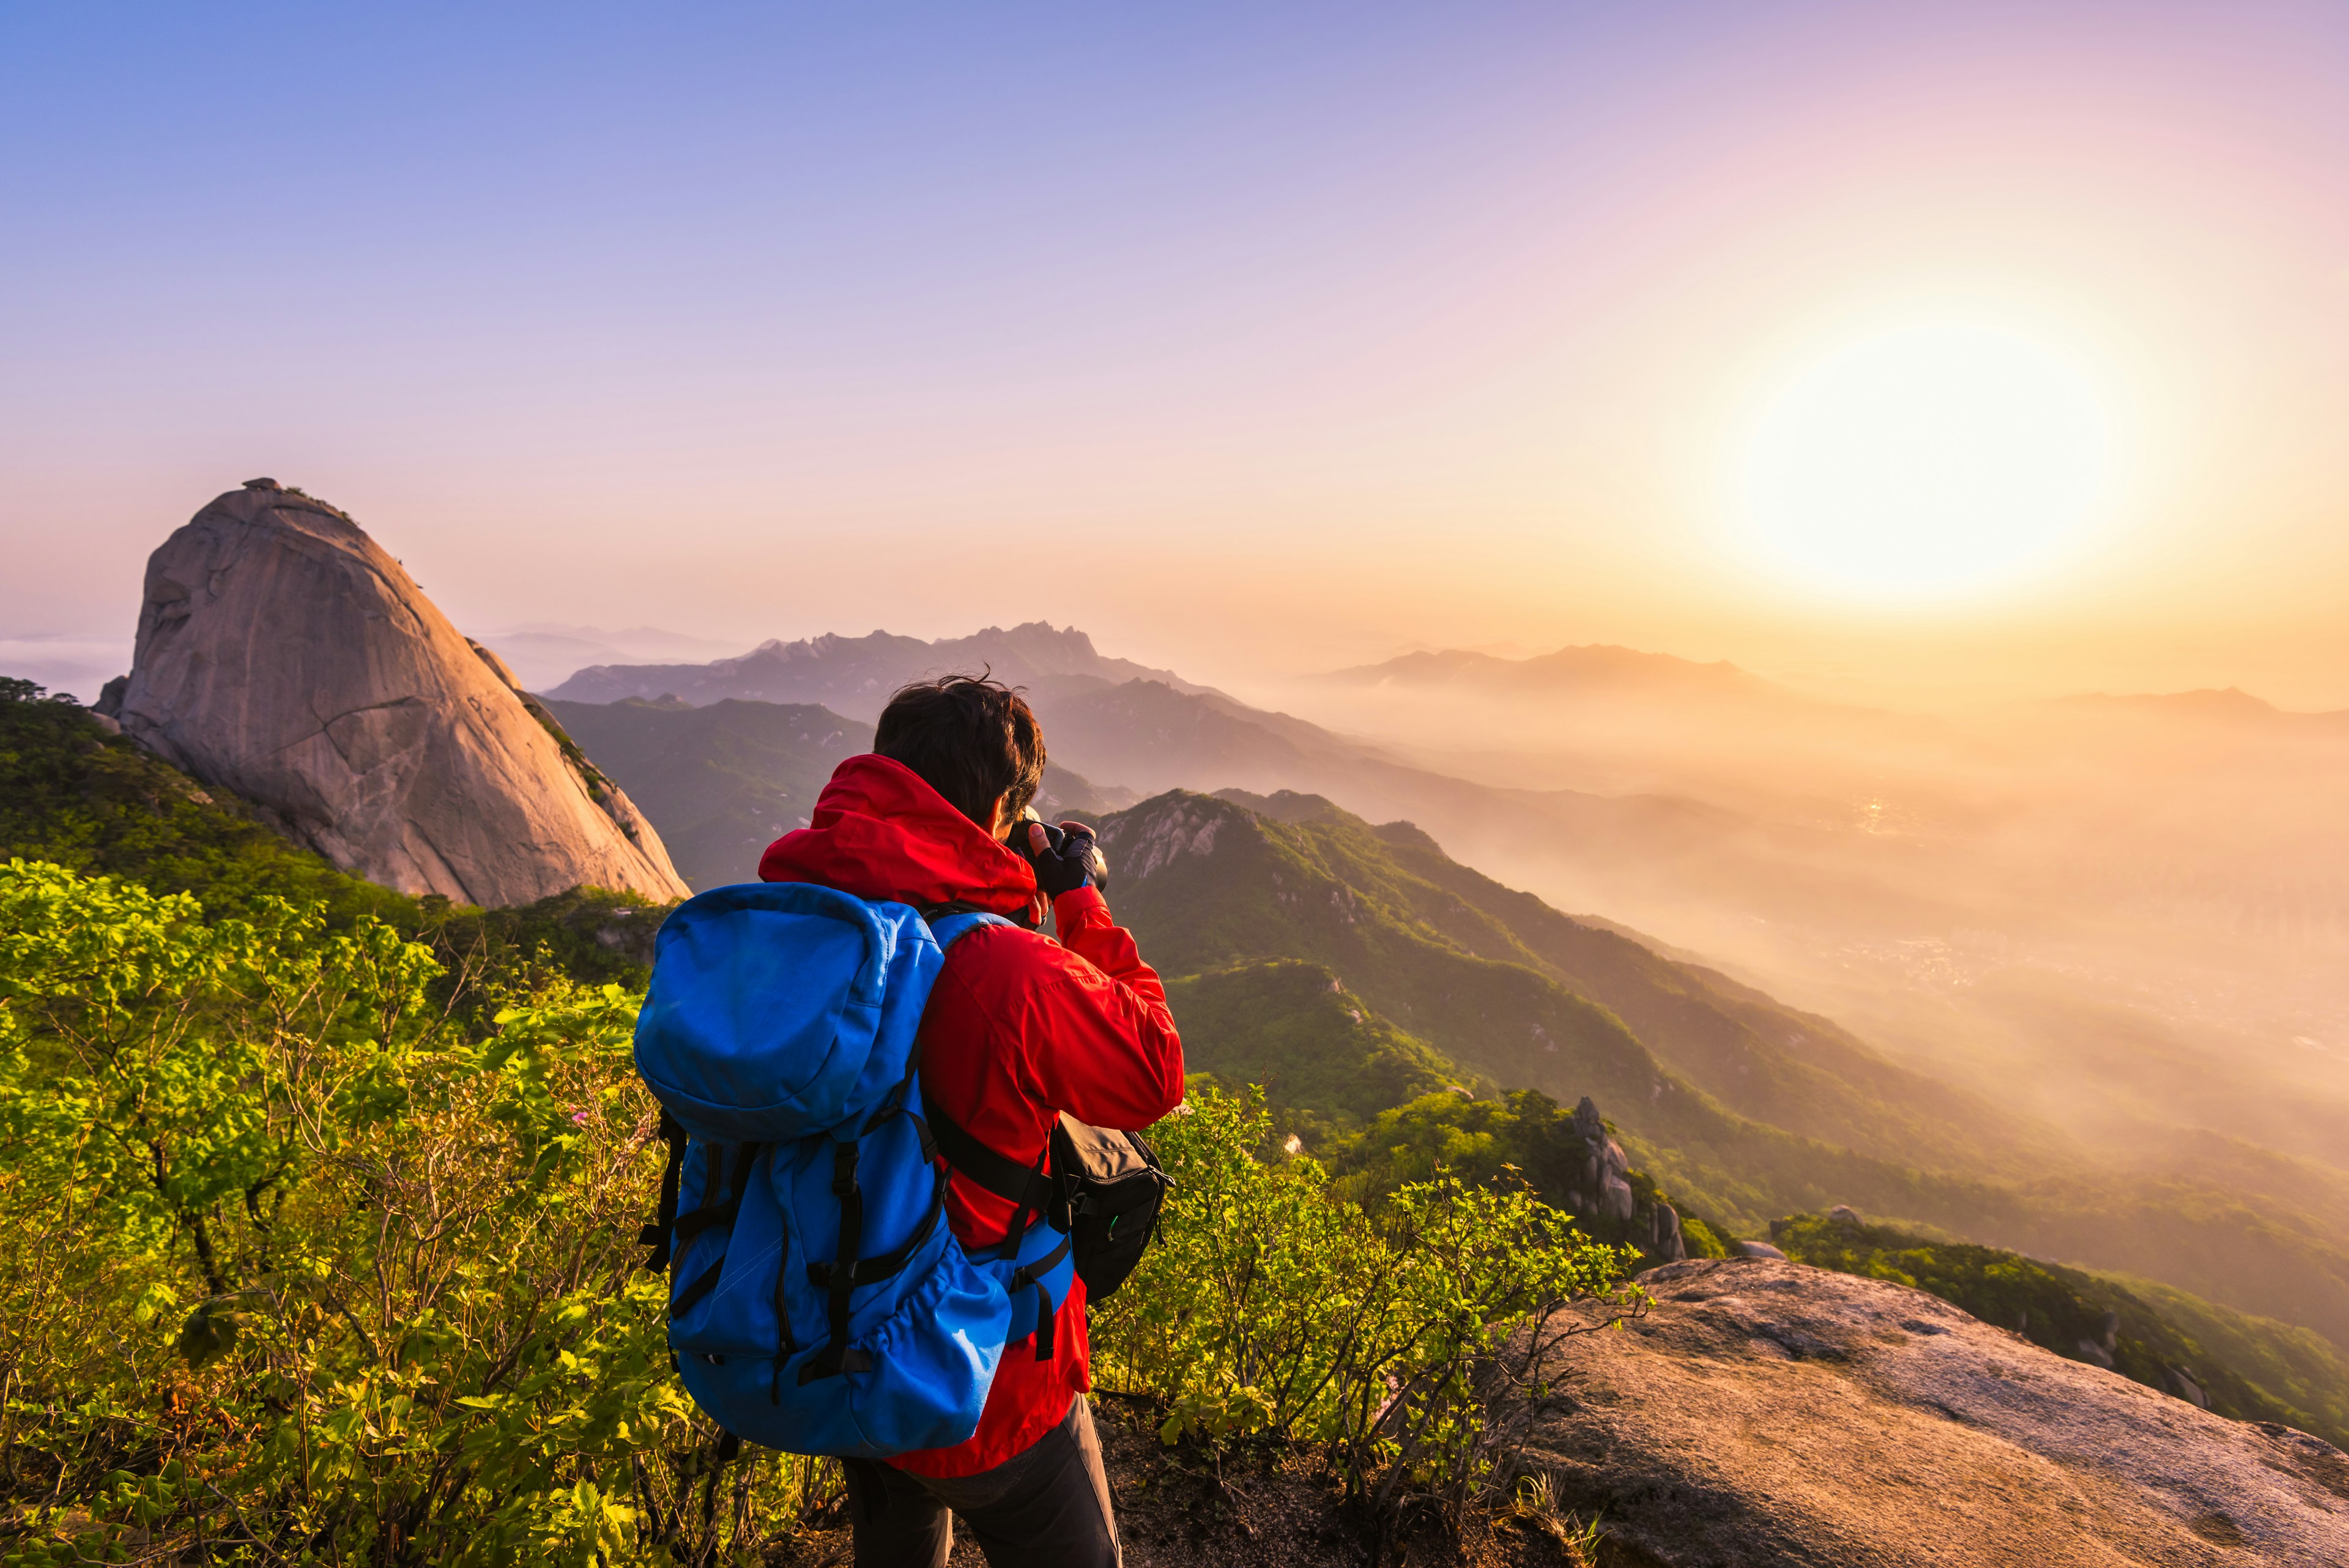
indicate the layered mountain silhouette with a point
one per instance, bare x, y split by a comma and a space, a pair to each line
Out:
1592, 669
546, 654
1349, 965
854, 675
1149, 731
2225, 705
1306, 893
730, 778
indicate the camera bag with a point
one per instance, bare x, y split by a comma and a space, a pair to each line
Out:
1103, 1186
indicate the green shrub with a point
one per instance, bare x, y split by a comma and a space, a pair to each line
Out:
72, 794
296, 1267
1520, 1137
1271, 1305
1701, 1240
290, 1270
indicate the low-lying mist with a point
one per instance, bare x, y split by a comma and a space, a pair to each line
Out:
2127, 915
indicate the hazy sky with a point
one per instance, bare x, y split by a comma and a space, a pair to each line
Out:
1254, 338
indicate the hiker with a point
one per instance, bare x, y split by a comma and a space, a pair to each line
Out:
1019, 1028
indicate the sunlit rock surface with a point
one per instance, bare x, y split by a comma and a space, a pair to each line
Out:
1768, 1413
286, 655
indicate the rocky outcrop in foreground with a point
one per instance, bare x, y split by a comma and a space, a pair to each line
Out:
284, 655
1768, 1413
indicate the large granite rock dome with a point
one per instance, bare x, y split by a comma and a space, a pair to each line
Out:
284, 655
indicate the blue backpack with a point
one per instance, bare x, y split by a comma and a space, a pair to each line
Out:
819, 1302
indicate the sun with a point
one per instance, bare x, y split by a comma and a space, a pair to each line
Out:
1931, 461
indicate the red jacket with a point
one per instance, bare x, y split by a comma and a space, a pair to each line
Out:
1020, 1028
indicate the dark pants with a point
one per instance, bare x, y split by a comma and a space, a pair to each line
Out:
1046, 1508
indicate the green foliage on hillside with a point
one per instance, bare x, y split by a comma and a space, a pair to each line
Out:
719, 782
1767, 1061
1520, 1138
1383, 1109
1291, 1027
291, 1266
1272, 1304
75, 795
2301, 1369
295, 1267
2074, 1313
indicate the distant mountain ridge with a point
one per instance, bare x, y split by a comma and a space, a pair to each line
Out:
1596, 668
1120, 723
1154, 731
730, 778
1610, 670
2228, 704
854, 675
544, 655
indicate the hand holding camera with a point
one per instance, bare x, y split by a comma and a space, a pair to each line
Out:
1065, 858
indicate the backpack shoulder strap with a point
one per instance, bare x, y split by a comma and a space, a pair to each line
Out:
998, 1173
956, 919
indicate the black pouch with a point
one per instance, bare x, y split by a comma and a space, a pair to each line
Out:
1111, 1190
1104, 1189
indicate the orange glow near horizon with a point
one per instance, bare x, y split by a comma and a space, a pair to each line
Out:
1553, 334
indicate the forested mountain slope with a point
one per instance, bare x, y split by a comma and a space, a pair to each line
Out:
74, 794
1373, 987
725, 780
1443, 960
1767, 1061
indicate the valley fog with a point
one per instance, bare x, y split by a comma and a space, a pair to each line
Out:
1680, 675
2127, 915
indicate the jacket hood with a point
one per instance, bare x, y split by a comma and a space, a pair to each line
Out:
879, 832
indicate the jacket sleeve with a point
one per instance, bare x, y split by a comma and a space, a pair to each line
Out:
1104, 1048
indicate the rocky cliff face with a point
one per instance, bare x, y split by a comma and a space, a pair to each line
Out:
284, 655
1601, 1188
1767, 1412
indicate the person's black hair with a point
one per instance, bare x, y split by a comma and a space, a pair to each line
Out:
970, 738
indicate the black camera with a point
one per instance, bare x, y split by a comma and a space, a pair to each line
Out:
1079, 842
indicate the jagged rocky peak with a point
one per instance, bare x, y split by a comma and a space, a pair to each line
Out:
286, 655
1163, 831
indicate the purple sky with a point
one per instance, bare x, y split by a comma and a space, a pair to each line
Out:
1319, 331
